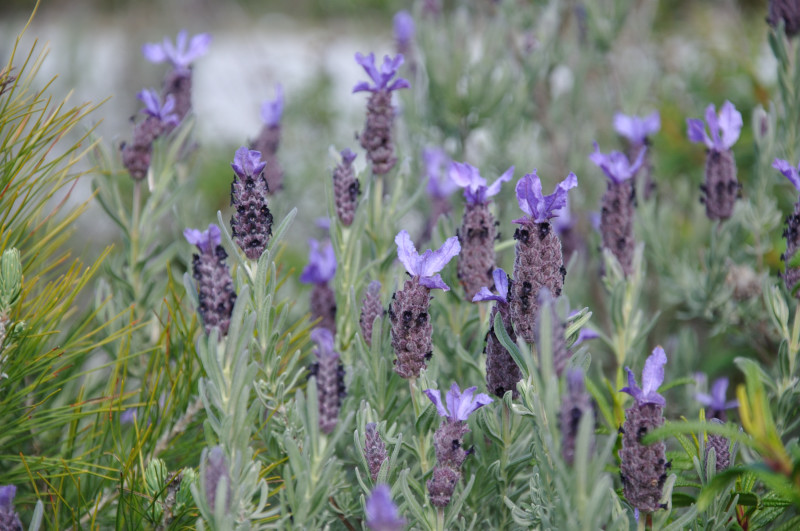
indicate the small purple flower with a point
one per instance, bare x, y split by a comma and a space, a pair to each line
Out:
324, 340
403, 28
500, 283
716, 400
382, 514
9, 519
380, 78
153, 107
538, 207
206, 240
616, 164
635, 128
321, 265
179, 55
247, 163
652, 378
272, 110
725, 128
347, 156
440, 186
459, 405
789, 171
475, 189
585, 335
427, 265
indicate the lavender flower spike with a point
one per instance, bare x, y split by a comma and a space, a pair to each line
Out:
272, 110
329, 373
715, 402
788, 171
792, 231
459, 405
538, 207
427, 265
251, 224
346, 188
9, 519
160, 119
321, 269
652, 378
403, 24
725, 128
382, 514
475, 188
616, 165
637, 129
180, 55
153, 107
215, 290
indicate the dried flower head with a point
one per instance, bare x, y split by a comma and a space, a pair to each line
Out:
382, 514
329, 373
251, 224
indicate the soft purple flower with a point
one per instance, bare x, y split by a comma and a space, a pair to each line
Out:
585, 335
716, 400
323, 223
247, 163
7, 493
539, 207
321, 264
324, 340
440, 186
205, 240
154, 108
272, 110
616, 165
179, 55
403, 28
500, 284
347, 156
380, 78
459, 405
382, 514
724, 128
475, 189
789, 171
635, 128
652, 378
427, 265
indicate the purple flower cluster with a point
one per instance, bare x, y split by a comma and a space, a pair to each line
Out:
319, 271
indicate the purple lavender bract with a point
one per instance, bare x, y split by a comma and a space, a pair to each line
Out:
320, 270
160, 118
382, 514
638, 131
716, 402
439, 188
269, 138
329, 373
251, 224
9, 519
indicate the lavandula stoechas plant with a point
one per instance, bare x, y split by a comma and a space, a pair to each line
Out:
538, 261
619, 203
251, 224
638, 131
575, 403
214, 283
716, 405
439, 188
9, 519
408, 312
269, 139
502, 372
329, 372
478, 228
643, 469
792, 231
319, 271
721, 188
377, 135
159, 119
382, 513
371, 308
178, 81
448, 439
346, 188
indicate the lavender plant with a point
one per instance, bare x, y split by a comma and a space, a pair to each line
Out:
268, 140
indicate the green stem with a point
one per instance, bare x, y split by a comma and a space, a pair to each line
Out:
421, 441
133, 258
439, 519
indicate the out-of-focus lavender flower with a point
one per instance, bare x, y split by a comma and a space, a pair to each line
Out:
321, 267
788, 171
153, 106
541, 208
403, 31
329, 373
182, 53
216, 471
500, 284
635, 128
160, 119
616, 165
585, 335
557, 330
272, 110
382, 514
427, 265
721, 446
205, 240
475, 189
247, 163
215, 289
459, 405
9, 519
787, 11
652, 378
792, 231
440, 185
380, 78
725, 128
251, 224
575, 403
269, 139
346, 188
370, 309
715, 402
374, 450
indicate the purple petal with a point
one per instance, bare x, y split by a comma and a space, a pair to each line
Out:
407, 253
436, 398
152, 105
704, 399
653, 377
367, 62
615, 164
462, 405
347, 156
500, 282
585, 335
696, 131
529, 194
434, 282
485, 295
730, 124
432, 262
494, 189
324, 340
713, 126
321, 266
632, 389
198, 47
247, 163
718, 391
154, 52
272, 110
362, 86
440, 186
205, 240
651, 123
382, 514
7, 493
637, 129
789, 171
558, 198
403, 28
399, 83
466, 176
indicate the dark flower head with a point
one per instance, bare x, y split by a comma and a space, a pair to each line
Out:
789, 171
403, 28
324, 340
539, 207
475, 189
382, 514
724, 128
181, 54
247, 163
206, 240
616, 164
500, 284
347, 158
459, 405
321, 264
440, 186
272, 110
153, 107
652, 378
635, 128
716, 400
427, 265
380, 78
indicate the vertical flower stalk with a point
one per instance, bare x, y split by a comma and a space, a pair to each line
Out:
502, 372
269, 139
178, 81
329, 373
251, 224
214, 283
377, 135
216, 471
575, 403
320, 270
439, 187
371, 308
478, 228
721, 188
9, 519
382, 513
448, 440
346, 188
374, 450
643, 469
792, 231
619, 204
412, 332
638, 131
538, 261
160, 118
